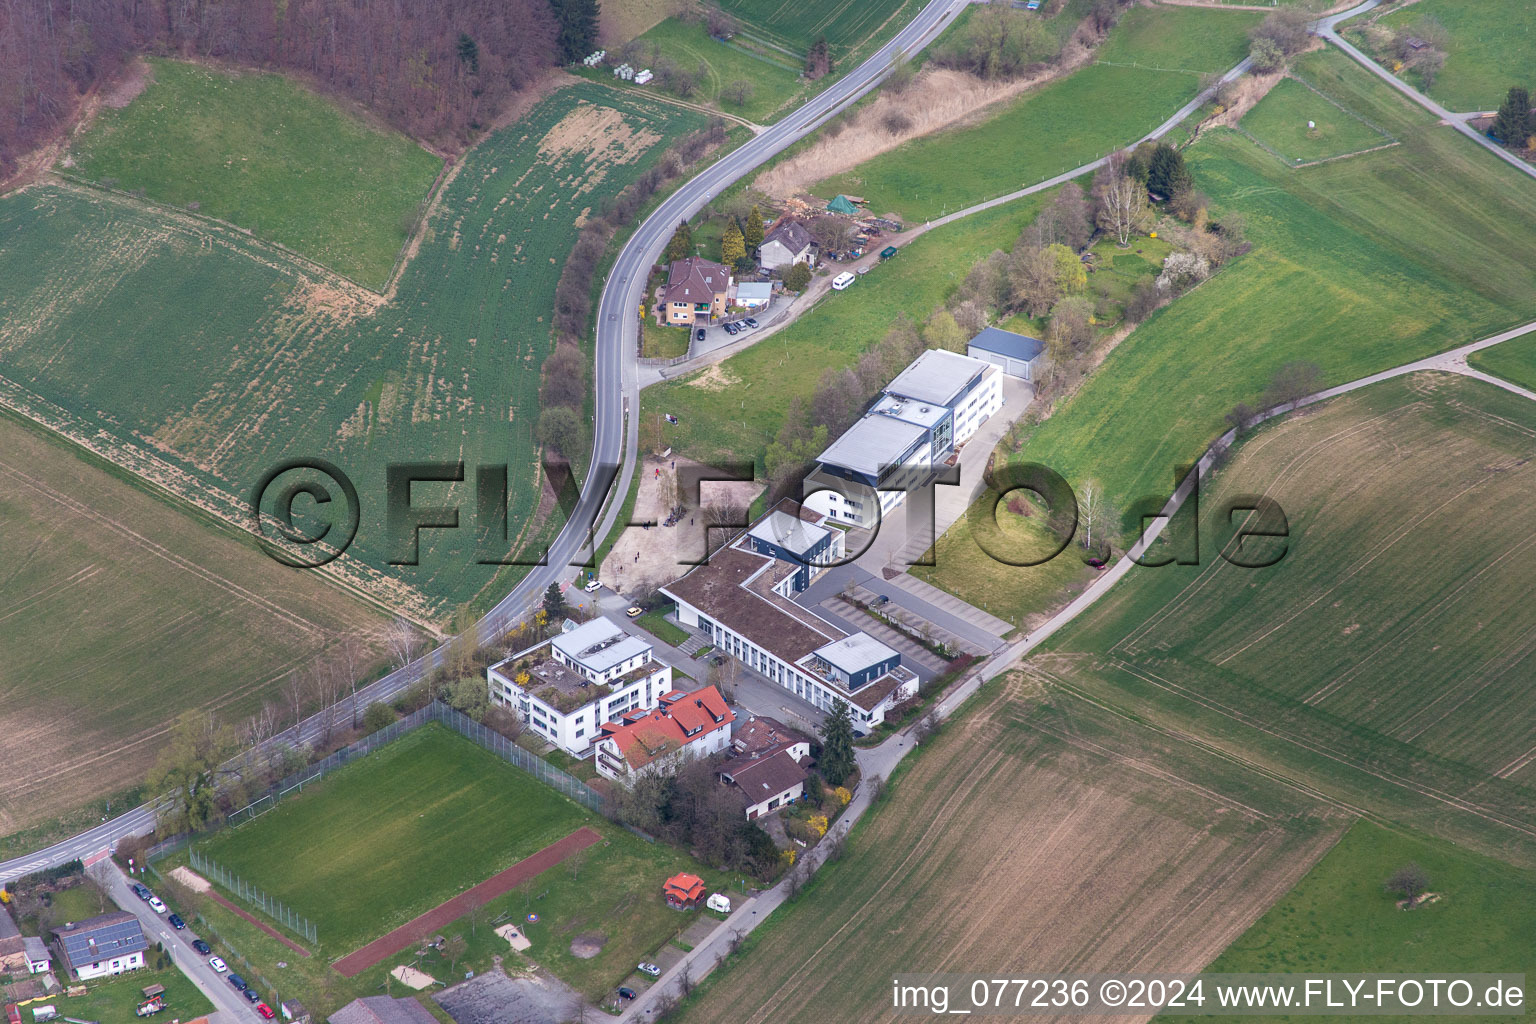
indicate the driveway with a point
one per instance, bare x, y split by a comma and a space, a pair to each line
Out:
229, 1006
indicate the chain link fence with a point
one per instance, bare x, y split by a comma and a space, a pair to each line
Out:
274, 908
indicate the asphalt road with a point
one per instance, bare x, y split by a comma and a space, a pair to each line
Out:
615, 431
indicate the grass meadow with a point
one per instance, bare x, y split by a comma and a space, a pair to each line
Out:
1280, 120
119, 612
1384, 662
1492, 47
113, 1000
1339, 919
794, 25
1058, 126
174, 337
775, 77
1358, 265
268, 155
1109, 832
393, 835
1513, 360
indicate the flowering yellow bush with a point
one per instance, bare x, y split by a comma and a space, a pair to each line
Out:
788, 857
818, 823
843, 796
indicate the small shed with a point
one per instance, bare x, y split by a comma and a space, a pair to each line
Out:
842, 204
1017, 355
754, 294
683, 891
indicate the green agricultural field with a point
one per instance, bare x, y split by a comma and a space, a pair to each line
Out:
1280, 119
1358, 265
774, 76
268, 155
793, 25
1514, 360
393, 835
1062, 125
732, 411
223, 359
1339, 918
1025, 797
1492, 47
119, 612
1384, 662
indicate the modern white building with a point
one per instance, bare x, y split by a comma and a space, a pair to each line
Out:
682, 727
932, 407
566, 688
742, 601
104, 945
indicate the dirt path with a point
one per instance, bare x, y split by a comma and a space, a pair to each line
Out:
247, 915
353, 964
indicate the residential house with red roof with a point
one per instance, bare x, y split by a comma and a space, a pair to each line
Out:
682, 727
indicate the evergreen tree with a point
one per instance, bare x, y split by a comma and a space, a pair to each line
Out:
469, 53
836, 762
1166, 173
1512, 125
754, 229
733, 247
554, 601
577, 22
797, 277
681, 246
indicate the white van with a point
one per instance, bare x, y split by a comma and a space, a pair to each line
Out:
842, 281
719, 902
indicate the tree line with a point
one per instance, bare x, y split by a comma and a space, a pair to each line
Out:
440, 71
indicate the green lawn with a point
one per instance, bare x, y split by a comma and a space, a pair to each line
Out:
264, 153
658, 342
1358, 265
1493, 46
113, 1000
1514, 360
395, 834
655, 622
794, 25
733, 410
76, 904
1280, 119
1048, 130
159, 336
1339, 919
775, 77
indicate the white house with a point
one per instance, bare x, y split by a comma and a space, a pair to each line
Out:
931, 408
741, 600
103, 945
754, 295
766, 782
787, 244
566, 688
683, 727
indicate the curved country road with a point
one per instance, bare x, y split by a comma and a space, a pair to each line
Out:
615, 431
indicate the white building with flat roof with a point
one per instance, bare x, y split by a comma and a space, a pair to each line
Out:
565, 688
931, 408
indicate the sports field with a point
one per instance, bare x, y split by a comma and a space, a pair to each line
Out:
1280, 121
1338, 918
118, 611
268, 155
1385, 661
388, 837
1061, 125
774, 76
1035, 834
156, 334
794, 25
1492, 47
1358, 265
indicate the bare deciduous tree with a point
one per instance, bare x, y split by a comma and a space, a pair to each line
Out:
402, 641
1121, 200
1293, 382
1410, 882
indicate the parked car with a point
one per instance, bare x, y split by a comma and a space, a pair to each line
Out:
265, 1011
238, 982
592, 587
252, 996
142, 892
157, 906
842, 281
698, 335
626, 993
218, 965
651, 969
732, 330
202, 947
750, 322
176, 922
634, 611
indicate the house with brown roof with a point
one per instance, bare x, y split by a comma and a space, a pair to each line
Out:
760, 735
682, 727
766, 781
13, 953
786, 244
742, 600
697, 291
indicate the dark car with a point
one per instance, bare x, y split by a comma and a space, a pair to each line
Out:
698, 335
177, 922
202, 947
238, 982
719, 660
732, 329
750, 322
252, 996
141, 892
626, 993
